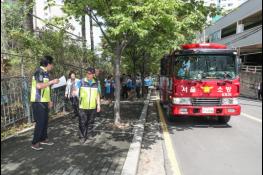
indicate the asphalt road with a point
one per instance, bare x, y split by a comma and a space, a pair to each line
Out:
205, 147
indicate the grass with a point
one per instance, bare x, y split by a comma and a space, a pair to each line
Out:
13, 130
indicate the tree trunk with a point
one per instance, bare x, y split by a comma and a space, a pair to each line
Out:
84, 38
92, 47
28, 21
118, 52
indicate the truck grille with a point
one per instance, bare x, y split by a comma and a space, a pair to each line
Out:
206, 102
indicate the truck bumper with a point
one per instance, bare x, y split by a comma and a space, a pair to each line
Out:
233, 110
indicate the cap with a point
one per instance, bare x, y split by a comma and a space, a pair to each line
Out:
91, 69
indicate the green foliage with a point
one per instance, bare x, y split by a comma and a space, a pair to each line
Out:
56, 43
159, 24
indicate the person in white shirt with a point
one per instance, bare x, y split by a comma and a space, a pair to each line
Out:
72, 92
138, 86
259, 90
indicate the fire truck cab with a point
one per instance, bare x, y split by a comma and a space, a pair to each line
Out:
201, 80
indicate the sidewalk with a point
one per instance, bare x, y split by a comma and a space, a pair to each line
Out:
104, 154
152, 159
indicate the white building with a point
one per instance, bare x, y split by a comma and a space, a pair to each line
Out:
56, 11
209, 2
225, 4
230, 4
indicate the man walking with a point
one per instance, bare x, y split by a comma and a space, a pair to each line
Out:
89, 104
138, 85
40, 98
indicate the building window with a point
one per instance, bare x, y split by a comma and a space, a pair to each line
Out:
252, 21
215, 36
230, 30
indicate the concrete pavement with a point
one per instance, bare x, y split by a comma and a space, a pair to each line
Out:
104, 154
201, 146
152, 155
204, 147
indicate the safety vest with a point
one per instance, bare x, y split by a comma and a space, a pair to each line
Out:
40, 95
88, 94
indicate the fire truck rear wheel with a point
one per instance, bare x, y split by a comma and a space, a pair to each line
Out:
224, 119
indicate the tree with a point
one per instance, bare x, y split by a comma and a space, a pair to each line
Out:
125, 19
28, 20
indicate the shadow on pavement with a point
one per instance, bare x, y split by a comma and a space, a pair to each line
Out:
105, 153
190, 123
152, 130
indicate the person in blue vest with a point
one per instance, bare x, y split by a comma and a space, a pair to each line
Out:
129, 86
108, 88
89, 104
40, 99
147, 83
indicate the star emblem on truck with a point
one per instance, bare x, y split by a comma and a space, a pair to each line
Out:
207, 89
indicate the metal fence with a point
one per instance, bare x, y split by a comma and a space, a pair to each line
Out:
16, 86
253, 69
15, 101
15, 91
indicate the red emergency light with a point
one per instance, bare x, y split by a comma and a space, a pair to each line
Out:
204, 46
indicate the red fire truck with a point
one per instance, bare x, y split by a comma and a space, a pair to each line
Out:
201, 80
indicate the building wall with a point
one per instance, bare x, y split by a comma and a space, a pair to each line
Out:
249, 83
245, 10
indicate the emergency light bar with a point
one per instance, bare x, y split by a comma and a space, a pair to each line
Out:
204, 46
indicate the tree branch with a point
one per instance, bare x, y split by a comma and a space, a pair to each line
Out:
94, 17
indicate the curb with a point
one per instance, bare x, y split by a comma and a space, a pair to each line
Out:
249, 97
132, 160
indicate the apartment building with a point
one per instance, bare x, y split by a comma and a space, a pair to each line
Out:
41, 13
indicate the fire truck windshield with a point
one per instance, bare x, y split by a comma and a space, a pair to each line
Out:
198, 67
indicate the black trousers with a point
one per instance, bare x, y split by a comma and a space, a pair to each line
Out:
259, 94
40, 114
138, 90
86, 122
75, 105
124, 92
146, 89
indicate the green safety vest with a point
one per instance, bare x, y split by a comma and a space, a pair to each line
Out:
40, 95
88, 95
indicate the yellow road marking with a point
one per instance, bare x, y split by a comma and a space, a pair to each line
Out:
168, 143
251, 117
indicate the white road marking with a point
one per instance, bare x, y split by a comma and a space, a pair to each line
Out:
251, 117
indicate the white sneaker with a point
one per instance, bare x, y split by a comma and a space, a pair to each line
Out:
37, 148
47, 143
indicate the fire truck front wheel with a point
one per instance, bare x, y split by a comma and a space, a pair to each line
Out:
224, 119
169, 116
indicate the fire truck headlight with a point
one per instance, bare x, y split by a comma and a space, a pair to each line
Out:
230, 101
182, 101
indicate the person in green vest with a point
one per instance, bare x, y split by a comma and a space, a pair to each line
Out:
40, 99
89, 104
